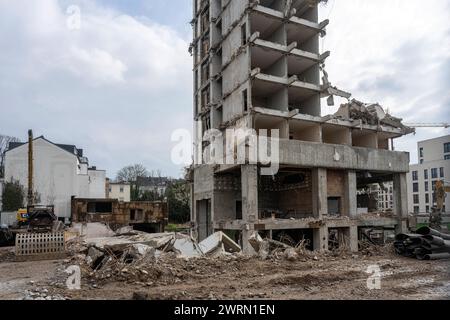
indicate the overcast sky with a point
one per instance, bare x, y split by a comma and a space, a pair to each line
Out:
120, 85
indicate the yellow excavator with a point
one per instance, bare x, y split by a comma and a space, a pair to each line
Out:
441, 190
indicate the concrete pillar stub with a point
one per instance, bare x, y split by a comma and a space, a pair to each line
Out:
320, 239
401, 201
353, 239
319, 192
249, 181
350, 200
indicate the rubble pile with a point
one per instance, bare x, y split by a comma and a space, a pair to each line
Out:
425, 244
42, 294
143, 258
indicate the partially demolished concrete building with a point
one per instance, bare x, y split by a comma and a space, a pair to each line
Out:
149, 216
257, 65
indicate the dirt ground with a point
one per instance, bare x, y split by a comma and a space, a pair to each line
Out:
342, 277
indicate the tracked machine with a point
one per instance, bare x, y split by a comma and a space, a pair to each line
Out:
40, 235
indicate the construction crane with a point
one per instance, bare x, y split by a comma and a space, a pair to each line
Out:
427, 125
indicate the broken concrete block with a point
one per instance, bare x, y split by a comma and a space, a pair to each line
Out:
219, 243
94, 256
186, 247
92, 230
291, 254
137, 251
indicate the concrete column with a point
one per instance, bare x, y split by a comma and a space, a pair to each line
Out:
401, 201
350, 201
353, 238
246, 246
249, 180
320, 239
319, 192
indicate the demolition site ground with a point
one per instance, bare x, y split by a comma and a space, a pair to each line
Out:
311, 276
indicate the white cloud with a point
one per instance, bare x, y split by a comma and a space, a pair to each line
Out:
394, 52
108, 87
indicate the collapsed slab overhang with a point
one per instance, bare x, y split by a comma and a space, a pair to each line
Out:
370, 114
390, 131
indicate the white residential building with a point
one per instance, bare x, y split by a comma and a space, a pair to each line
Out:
120, 191
385, 196
434, 165
60, 172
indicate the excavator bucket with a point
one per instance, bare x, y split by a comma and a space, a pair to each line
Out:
40, 246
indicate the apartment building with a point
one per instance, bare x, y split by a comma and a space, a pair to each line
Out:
434, 165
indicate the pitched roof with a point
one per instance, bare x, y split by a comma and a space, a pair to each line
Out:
72, 149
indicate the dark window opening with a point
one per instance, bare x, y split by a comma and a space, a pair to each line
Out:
245, 100
244, 34
100, 207
434, 173
238, 210
334, 206
447, 147
132, 214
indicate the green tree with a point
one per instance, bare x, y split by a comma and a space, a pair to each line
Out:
131, 173
13, 196
178, 198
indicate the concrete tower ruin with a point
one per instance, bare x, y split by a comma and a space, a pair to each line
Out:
257, 66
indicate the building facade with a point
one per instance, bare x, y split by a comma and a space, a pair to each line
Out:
120, 191
434, 165
60, 172
257, 68
385, 196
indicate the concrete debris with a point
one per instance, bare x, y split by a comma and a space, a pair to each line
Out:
137, 251
41, 295
371, 114
425, 244
218, 243
94, 257
91, 230
268, 248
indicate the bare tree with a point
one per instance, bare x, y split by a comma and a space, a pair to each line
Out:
4, 143
131, 173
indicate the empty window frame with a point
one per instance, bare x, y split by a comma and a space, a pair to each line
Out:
244, 34
245, 100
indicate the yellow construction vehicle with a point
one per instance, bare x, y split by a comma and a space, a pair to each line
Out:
441, 190
22, 217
